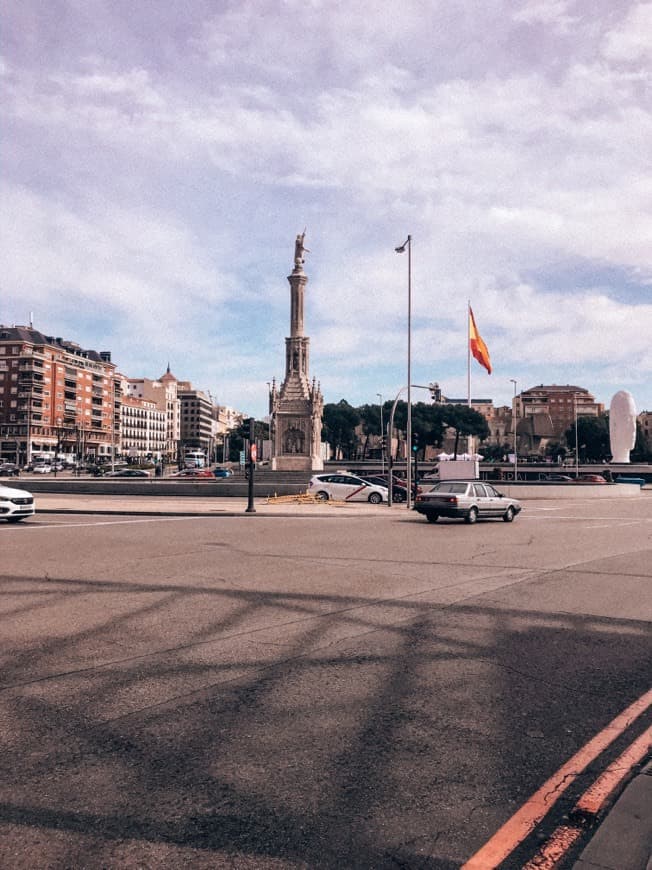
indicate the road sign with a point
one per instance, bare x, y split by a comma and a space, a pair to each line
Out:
242, 457
253, 452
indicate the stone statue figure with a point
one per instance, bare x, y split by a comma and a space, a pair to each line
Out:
294, 440
622, 425
300, 249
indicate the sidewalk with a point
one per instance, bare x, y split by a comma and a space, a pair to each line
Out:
204, 506
624, 839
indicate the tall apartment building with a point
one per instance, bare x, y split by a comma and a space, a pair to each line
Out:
645, 420
197, 420
545, 413
54, 395
163, 393
143, 429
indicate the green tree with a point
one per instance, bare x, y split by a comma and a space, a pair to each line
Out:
496, 452
428, 424
240, 435
555, 449
370, 419
640, 452
592, 438
339, 422
465, 421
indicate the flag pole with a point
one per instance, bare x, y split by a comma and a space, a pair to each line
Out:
468, 369
468, 353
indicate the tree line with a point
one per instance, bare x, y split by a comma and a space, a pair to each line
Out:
430, 423
350, 431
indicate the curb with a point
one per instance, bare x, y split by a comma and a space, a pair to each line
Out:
623, 841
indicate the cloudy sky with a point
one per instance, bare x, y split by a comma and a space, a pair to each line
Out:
158, 159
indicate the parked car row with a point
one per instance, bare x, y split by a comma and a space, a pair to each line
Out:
399, 486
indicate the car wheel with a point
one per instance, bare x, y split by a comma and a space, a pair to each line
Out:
508, 516
472, 516
398, 497
322, 496
432, 518
375, 498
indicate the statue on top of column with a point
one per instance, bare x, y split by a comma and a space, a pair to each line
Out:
300, 249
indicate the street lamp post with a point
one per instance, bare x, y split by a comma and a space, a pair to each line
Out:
577, 454
390, 430
57, 449
515, 415
382, 435
400, 250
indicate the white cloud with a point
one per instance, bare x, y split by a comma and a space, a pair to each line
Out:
553, 13
631, 41
165, 193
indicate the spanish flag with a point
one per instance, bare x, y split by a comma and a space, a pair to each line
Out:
477, 345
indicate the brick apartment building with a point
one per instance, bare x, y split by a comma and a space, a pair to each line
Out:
55, 394
544, 414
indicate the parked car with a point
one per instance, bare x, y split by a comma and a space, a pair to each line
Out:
9, 469
15, 504
128, 472
399, 487
466, 499
222, 472
194, 473
343, 486
591, 478
559, 478
42, 469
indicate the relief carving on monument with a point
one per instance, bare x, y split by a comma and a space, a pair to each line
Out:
295, 440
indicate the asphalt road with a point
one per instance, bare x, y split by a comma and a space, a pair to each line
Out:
328, 692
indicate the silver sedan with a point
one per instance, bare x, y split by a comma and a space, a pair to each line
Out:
466, 499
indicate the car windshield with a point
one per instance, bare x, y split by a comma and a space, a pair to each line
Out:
450, 487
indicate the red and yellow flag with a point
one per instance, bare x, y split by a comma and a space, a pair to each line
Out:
478, 347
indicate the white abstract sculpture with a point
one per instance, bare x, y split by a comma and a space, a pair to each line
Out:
622, 425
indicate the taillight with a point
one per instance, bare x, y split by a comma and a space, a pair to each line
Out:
451, 499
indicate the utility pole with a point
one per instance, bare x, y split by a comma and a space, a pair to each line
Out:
251, 465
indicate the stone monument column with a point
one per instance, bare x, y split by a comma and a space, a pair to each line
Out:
297, 408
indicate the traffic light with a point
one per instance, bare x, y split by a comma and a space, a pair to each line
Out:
435, 392
415, 441
383, 442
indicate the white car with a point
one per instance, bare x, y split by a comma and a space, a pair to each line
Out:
15, 504
341, 486
42, 469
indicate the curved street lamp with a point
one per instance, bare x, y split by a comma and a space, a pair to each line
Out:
382, 435
401, 250
390, 429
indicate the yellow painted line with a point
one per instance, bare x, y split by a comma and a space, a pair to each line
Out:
595, 797
523, 822
590, 803
555, 848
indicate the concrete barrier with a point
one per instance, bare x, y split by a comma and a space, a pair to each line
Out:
527, 490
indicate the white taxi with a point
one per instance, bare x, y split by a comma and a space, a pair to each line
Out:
342, 486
